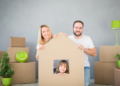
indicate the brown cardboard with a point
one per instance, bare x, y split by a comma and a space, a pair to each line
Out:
17, 42
12, 51
24, 73
61, 48
117, 76
1, 53
107, 53
104, 73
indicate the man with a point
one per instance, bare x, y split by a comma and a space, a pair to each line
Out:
84, 43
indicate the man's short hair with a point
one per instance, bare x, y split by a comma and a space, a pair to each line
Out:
78, 21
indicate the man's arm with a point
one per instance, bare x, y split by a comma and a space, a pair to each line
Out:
91, 51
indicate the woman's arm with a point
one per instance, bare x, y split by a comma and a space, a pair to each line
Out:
37, 53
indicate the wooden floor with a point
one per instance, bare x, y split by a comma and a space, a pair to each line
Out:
36, 84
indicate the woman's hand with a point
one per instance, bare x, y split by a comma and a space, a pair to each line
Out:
41, 47
37, 57
55, 35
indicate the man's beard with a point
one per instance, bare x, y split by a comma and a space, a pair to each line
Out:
76, 34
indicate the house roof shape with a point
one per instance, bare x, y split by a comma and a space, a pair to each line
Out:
61, 48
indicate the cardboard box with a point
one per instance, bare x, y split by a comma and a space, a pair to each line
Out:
12, 51
104, 73
1, 53
17, 42
107, 53
24, 73
117, 76
61, 48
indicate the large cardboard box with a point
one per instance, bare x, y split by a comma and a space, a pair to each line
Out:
12, 51
107, 53
1, 53
104, 73
17, 42
24, 73
117, 76
61, 48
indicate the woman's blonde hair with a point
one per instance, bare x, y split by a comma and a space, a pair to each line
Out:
40, 37
63, 62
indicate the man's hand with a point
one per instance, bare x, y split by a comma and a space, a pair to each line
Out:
91, 51
81, 47
65, 34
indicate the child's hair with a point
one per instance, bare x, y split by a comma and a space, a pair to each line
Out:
63, 62
40, 37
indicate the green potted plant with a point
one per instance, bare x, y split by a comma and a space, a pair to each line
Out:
118, 62
5, 70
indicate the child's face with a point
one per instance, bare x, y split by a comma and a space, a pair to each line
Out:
62, 68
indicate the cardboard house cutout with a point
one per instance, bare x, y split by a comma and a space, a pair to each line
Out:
61, 48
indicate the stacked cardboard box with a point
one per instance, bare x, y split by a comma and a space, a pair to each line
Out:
104, 70
117, 76
24, 72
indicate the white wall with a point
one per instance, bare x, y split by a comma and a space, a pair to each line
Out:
22, 18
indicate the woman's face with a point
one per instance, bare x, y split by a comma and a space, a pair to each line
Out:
46, 33
62, 68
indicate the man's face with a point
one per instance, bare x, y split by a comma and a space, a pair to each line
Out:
77, 29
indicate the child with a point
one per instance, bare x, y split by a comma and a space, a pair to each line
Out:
62, 68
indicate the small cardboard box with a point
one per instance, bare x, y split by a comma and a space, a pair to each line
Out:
12, 51
108, 53
104, 73
1, 53
17, 42
24, 73
117, 76
61, 48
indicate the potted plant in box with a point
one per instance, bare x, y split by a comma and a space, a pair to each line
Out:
5, 70
118, 62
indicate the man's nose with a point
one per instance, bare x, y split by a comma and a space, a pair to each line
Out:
77, 29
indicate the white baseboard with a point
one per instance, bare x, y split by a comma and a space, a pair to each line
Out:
92, 80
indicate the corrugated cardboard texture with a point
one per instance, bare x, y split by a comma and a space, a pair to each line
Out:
104, 73
1, 53
24, 73
61, 48
107, 53
117, 76
12, 51
17, 42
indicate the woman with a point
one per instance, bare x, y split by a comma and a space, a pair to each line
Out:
45, 35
